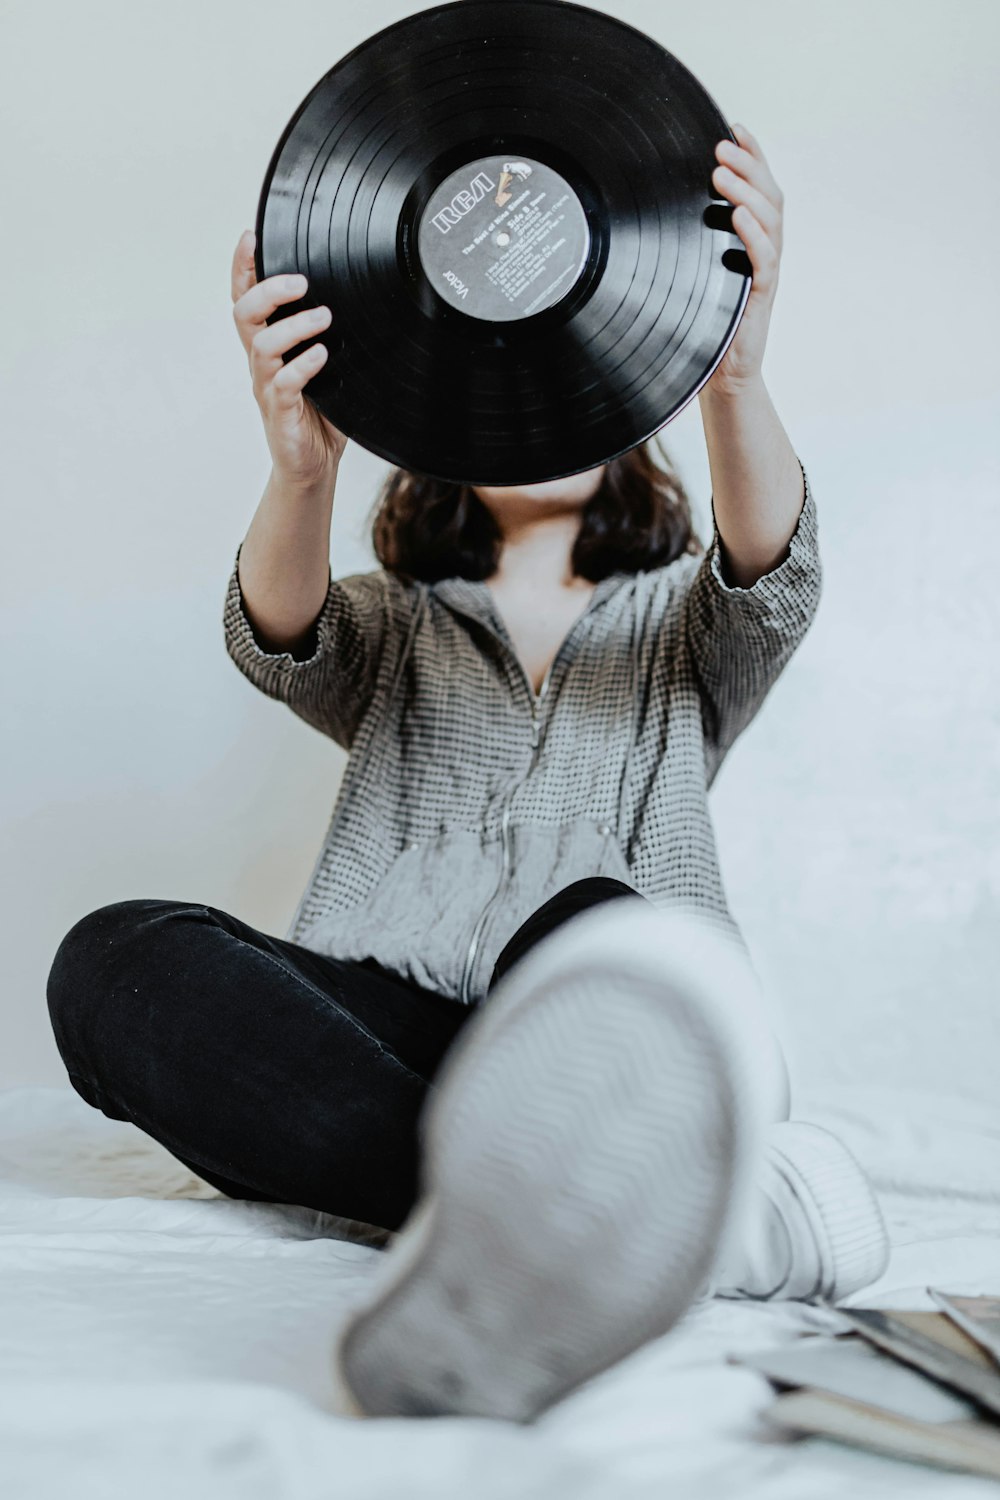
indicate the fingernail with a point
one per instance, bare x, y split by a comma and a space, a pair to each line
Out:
295, 283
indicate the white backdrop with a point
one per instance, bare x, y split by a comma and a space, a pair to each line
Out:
858, 817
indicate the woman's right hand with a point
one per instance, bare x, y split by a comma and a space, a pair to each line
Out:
305, 447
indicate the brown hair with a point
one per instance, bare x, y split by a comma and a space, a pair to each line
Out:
640, 517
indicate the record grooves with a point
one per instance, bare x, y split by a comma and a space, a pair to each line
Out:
509, 211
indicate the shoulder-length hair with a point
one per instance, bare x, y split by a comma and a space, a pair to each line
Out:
640, 517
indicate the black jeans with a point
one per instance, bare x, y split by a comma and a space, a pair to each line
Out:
273, 1072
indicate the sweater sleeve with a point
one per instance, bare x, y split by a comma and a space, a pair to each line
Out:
332, 683
738, 640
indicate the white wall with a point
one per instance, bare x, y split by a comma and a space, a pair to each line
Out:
858, 817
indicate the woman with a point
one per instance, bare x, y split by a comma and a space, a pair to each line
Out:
536, 691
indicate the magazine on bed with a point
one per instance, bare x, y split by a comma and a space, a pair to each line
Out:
971, 1447
929, 1346
912, 1385
979, 1317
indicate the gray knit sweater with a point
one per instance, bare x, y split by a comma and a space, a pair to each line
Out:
467, 800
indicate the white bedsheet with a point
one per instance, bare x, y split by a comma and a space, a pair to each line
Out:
160, 1340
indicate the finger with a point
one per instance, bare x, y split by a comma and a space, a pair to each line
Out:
253, 309
738, 190
243, 273
760, 247
291, 379
756, 172
750, 142
273, 340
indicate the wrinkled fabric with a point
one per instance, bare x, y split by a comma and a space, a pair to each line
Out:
468, 799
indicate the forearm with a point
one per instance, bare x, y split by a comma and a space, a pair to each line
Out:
284, 564
757, 487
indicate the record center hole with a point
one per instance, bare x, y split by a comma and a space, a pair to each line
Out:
503, 239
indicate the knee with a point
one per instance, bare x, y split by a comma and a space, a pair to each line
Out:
98, 939
99, 955
592, 889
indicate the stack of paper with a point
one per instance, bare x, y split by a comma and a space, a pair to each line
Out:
915, 1385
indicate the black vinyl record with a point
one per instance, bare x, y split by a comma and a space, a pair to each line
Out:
508, 209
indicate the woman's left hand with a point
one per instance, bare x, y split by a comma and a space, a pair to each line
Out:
744, 177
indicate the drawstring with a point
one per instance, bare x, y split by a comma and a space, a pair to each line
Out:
635, 648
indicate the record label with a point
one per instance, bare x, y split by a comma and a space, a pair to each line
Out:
503, 238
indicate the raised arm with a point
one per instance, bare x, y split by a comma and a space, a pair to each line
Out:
296, 633
757, 487
758, 587
319, 659
284, 562
738, 638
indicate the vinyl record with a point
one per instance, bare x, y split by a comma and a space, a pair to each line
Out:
509, 210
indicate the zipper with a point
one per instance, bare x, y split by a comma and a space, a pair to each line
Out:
505, 865
481, 922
